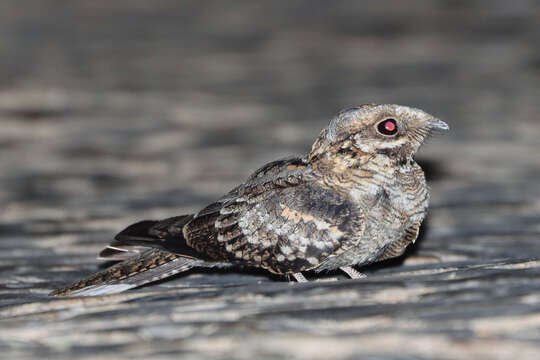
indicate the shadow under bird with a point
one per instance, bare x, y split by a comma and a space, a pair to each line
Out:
357, 198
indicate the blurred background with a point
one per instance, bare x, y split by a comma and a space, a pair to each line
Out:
115, 111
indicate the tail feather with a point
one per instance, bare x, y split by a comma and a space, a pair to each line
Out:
150, 266
136, 238
113, 253
149, 251
133, 240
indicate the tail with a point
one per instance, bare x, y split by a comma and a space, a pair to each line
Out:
150, 266
149, 251
165, 234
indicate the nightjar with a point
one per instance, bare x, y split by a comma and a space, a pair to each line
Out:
356, 198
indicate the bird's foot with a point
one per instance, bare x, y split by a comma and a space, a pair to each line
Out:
352, 272
299, 277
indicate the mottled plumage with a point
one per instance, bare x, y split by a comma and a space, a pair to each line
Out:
358, 197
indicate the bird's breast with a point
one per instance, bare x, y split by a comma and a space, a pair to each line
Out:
400, 195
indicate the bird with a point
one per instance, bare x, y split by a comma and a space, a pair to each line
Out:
358, 197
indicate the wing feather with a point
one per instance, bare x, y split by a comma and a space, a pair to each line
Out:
281, 219
148, 234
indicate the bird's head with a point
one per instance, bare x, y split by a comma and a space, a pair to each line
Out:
390, 130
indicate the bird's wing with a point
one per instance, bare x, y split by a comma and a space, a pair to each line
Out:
281, 219
147, 234
397, 248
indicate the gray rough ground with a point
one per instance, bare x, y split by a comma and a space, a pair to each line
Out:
111, 112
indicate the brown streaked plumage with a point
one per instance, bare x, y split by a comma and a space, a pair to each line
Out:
358, 197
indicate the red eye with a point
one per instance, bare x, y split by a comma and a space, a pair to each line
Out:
388, 127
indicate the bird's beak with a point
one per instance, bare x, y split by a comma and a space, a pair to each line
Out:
438, 124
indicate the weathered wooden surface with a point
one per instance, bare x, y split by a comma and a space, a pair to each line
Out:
111, 112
